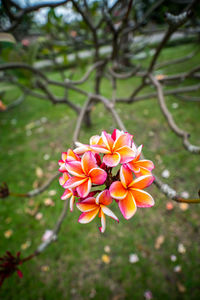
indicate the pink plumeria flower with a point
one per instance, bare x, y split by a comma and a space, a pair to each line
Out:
140, 167
68, 193
82, 148
67, 156
130, 192
86, 172
116, 148
90, 207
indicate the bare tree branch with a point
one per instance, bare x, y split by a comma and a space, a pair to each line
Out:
169, 63
86, 75
183, 134
123, 75
180, 90
188, 98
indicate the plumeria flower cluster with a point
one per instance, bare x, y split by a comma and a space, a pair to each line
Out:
108, 168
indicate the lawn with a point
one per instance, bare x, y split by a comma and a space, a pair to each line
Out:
33, 135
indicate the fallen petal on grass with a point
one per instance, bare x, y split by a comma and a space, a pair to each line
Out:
133, 258
106, 259
181, 248
8, 233
165, 174
159, 241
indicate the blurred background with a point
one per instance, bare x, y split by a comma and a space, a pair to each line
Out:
52, 54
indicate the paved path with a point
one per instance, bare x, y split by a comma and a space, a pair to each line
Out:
151, 39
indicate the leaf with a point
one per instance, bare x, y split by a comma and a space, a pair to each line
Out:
107, 249
32, 212
39, 172
2, 106
52, 192
39, 216
181, 248
45, 268
8, 233
105, 258
49, 202
181, 287
26, 245
7, 37
30, 126
159, 241
35, 184
183, 206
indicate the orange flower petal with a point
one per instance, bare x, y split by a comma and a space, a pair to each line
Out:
108, 141
139, 150
133, 167
142, 172
126, 154
103, 223
112, 160
81, 148
104, 198
117, 190
147, 164
142, 182
94, 140
85, 207
64, 178
67, 194
116, 134
127, 206
84, 189
87, 217
142, 198
71, 203
109, 213
121, 141
64, 156
98, 175
89, 200
74, 182
88, 162
99, 149
126, 176
72, 156
62, 166
75, 168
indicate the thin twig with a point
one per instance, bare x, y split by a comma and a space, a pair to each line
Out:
41, 189
166, 64
181, 90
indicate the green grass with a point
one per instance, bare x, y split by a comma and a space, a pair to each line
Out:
76, 270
